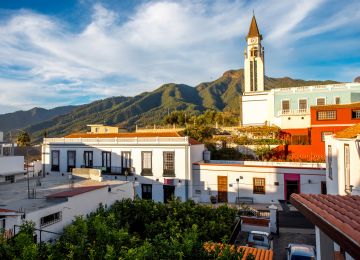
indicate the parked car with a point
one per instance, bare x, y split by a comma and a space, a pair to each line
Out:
300, 252
260, 239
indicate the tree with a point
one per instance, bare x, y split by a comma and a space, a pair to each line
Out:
23, 139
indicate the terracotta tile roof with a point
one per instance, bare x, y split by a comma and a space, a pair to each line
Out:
7, 210
131, 135
75, 191
256, 221
121, 135
337, 216
254, 30
259, 254
350, 132
327, 107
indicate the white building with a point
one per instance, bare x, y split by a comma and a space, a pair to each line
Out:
343, 162
11, 167
159, 163
256, 181
287, 108
56, 202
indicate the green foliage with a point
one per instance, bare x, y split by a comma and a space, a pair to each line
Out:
138, 229
200, 133
23, 139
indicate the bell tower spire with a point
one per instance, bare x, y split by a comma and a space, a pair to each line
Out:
254, 59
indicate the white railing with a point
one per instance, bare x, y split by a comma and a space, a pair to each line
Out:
293, 112
317, 87
274, 164
129, 140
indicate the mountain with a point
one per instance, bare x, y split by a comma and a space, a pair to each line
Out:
150, 107
21, 119
357, 79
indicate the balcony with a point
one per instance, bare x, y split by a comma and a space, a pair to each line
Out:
294, 112
169, 173
113, 170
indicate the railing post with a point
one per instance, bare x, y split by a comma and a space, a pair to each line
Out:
273, 222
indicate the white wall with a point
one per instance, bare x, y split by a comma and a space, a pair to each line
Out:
295, 121
336, 185
185, 155
79, 205
1, 136
11, 164
255, 109
205, 181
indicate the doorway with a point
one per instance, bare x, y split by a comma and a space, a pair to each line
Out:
169, 193
292, 185
146, 191
222, 189
106, 161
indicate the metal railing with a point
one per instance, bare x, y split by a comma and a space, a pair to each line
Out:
111, 170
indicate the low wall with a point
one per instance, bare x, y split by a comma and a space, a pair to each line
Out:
255, 224
87, 173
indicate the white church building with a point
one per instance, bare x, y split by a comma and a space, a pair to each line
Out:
287, 108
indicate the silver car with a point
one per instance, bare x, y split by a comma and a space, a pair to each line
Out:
300, 252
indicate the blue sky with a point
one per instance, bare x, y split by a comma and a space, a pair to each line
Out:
64, 52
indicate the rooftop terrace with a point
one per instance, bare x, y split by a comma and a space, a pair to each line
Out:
14, 196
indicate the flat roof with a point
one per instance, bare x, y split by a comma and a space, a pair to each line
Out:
14, 196
335, 106
337, 216
74, 192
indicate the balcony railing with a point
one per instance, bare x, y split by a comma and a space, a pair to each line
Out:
294, 112
111, 170
319, 87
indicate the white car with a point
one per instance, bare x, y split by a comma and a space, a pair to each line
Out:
300, 252
260, 239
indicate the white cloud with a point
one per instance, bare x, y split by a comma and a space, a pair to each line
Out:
46, 62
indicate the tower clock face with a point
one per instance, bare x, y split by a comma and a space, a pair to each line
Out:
252, 40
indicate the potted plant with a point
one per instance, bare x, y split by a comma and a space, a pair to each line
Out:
213, 199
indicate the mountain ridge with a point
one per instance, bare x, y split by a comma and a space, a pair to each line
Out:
149, 108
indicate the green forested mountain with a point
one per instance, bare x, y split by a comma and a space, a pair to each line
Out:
20, 119
150, 107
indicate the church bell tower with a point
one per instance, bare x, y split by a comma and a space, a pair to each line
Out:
254, 60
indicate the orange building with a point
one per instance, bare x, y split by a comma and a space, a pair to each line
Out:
308, 143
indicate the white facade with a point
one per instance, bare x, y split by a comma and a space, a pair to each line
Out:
256, 109
240, 179
254, 60
342, 175
66, 208
156, 183
11, 168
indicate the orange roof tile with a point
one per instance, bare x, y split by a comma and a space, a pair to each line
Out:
75, 191
7, 210
350, 132
337, 216
254, 30
122, 135
259, 254
327, 107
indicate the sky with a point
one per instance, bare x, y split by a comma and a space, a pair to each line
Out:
69, 52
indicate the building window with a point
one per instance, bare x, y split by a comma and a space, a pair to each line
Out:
355, 114
125, 162
169, 164
299, 139
329, 162
337, 100
55, 158
71, 160
323, 135
88, 159
146, 163
285, 106
50, 219
347, 167
251, 76
106, 162
326, 115
146, 191
10, 178
302, 104
255, 76
259, 186
320, 102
